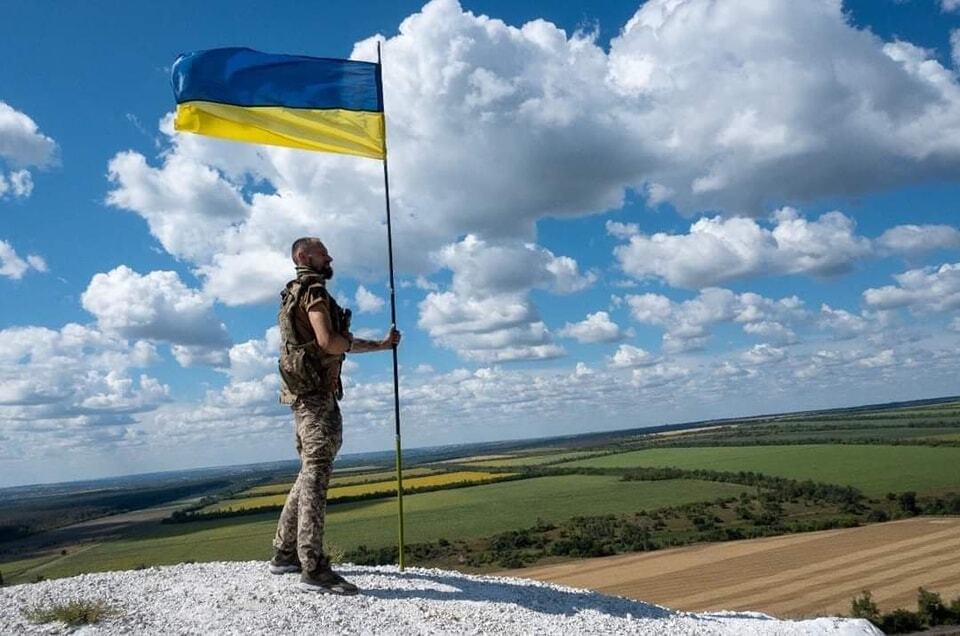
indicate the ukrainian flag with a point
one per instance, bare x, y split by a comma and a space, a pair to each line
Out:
311, 103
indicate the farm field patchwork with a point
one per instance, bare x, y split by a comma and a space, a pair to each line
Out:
476, 511
359, 489
798, 575
874, 469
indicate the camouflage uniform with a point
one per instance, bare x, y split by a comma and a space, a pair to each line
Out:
319, 430
318, 425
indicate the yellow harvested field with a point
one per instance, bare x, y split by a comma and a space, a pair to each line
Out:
440, 479
383, 475
267, 489
472, 458
339, 479
686, 431
949, 437
797, 575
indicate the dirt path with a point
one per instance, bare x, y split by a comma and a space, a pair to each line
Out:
39, 568
790, 576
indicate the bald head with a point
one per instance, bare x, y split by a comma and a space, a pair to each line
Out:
301, 247
310, 252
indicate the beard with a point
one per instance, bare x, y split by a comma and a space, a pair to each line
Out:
326, 271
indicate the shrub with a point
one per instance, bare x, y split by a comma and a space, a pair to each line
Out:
79, 612
334, 553
512, 561
931, 612
363, 555
900, 621
863, 606
908, 502
930, 609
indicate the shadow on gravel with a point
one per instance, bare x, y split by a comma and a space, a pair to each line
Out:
535, 598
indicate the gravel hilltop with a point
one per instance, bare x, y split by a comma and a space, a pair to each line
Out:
244, 598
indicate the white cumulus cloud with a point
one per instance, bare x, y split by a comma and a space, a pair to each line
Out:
628, 356
659, 374
528, 122
722, 249
843, 323
596, 327
796, 97
912, 239
763, 354
367, 301
687, 323
15, 267
924, 289
22, 146
158, 306
72, 388
487, 315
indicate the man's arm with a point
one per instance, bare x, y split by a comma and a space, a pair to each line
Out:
333, 342
364, 346
329, 340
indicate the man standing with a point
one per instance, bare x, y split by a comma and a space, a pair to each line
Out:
315, 335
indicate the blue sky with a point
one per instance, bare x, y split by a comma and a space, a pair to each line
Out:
548, 162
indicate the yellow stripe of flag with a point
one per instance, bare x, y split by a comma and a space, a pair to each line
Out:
328, 130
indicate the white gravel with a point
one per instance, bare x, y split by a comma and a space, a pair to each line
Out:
244, 598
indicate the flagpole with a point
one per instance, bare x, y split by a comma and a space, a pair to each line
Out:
393, 313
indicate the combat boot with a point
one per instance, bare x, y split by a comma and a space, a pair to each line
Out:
284, 562
325, 581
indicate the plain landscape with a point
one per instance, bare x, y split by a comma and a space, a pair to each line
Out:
791, 514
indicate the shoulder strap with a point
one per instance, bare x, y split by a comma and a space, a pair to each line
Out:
290, 301
303, 288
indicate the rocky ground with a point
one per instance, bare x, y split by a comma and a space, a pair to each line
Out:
244, 598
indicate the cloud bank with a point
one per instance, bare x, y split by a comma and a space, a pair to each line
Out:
735, 106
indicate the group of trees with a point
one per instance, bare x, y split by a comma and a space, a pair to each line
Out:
931, 612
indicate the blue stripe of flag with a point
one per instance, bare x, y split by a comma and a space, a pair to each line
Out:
244, 77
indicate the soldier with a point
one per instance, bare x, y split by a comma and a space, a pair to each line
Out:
315, 334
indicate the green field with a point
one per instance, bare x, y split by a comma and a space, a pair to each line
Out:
477, 511
873, 469
533, 460
884, 433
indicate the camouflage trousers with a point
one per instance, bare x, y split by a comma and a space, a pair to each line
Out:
319, 431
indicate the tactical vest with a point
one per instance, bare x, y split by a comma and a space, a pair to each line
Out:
304, 366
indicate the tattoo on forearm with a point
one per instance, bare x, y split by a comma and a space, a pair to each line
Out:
360, 345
